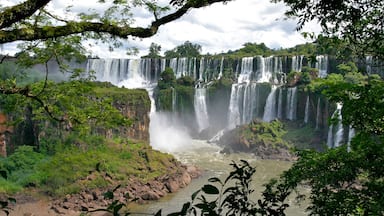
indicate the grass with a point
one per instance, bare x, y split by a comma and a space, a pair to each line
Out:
74, 169
301, 137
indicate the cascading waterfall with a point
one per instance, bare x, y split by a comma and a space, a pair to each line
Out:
351, 134
322, 65
246, 70
174, 98
233, 109
135, 75
291, 103
334, 140
248, 98
201, 108
201, 69
270, 106
306, 114
297, 63
318, 114
221, 68
280, 104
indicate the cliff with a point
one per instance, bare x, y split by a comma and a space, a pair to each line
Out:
135, 105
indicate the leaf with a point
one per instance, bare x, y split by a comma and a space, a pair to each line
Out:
210, 189
158, 213
3, 174
215, 179
185, 208
108, 195
195, 194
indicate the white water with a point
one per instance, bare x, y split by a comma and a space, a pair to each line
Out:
322, 65
306, 114
233, 109
291, 103
174, 100
246, 70
318, 114
297, 63
270, 106
280, 104
200, 106
334, 138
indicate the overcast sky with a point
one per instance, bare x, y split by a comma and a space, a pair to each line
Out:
217, 28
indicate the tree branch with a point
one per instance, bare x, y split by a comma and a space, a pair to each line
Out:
29, 34
20, 12
25, 91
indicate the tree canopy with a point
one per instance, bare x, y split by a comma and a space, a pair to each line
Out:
187, 49
359, 23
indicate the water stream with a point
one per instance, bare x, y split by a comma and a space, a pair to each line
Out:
208, 158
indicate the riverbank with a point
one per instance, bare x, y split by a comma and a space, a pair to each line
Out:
34, 203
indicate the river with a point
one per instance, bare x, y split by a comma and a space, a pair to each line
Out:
207, 157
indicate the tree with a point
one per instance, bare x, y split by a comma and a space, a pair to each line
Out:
359, 23
154, 51
46, 35
345, 180
187, 49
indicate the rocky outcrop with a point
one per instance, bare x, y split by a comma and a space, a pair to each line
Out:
5, 131
135, 105
133, 191
260, 138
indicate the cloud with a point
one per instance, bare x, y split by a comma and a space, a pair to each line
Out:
217, 28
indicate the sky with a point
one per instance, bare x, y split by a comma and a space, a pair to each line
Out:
217, 28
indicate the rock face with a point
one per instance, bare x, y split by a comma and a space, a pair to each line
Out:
134, 191
135, 106
4, 135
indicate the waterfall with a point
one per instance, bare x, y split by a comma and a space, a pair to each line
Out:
306, 115
233, 109
291, 103
335, 139
297, 63
201, 69
201, 108
351, 134
318, 114
174, 98
270, 106
221, 68
280, 104
322, 65
246, 70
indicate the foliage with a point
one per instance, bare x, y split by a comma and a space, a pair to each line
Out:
233, 196
167, 79
185, 81
349, 67
346, 180
154, 51
67, 170
353, 21
188, 49
254, 49
20, 167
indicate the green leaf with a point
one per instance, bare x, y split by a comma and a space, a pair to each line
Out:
215, 179
210, 189
195, 194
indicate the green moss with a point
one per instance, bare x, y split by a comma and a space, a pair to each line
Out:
122, 95
267, 133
